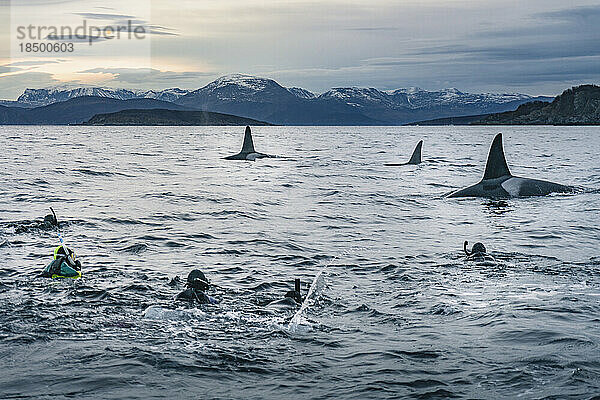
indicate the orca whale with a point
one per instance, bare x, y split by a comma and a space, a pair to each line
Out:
498, 182
414, 159
248, 152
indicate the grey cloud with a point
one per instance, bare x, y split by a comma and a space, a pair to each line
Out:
76, 38
549, 50
577, 21
12, 86
21, 66
557, 35
161, 30
26, 3
587, 13
152, 78
32, 63
399, 61
111, 17
474, 46
583, 70
123, 20
372, 29
546, 77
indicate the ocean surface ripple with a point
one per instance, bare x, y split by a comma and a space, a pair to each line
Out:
397, 312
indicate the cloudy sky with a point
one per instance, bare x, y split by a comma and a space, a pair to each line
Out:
529, 46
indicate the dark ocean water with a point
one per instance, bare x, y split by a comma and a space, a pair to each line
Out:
396, 313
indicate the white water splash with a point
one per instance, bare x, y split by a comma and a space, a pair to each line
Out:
165, 314
298, 322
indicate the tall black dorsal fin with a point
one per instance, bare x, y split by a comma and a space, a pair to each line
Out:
416, 155
248, 146
496, 163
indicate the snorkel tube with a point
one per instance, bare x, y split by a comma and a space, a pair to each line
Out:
295, 294
465, 248
62, 241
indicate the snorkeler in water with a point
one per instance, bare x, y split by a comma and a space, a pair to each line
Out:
478, 253
291, 300
64, 265
49, 222
196, 286
477, 249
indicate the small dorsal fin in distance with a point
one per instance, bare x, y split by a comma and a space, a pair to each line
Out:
416, 155
496, 163
248, 146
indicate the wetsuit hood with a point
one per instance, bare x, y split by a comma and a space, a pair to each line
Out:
197, 280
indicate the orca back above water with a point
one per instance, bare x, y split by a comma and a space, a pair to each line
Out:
498, 182
415, 159
248, 152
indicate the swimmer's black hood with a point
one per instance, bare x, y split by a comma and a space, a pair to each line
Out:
197, 280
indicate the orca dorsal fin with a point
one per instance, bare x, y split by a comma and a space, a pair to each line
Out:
416, 155
248, 146
496, 163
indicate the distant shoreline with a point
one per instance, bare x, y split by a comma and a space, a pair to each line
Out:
260, 99
578, 106
164, 117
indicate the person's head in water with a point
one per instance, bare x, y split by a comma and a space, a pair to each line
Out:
196, 285
197, 280
295, 294
60, 252
478, 248
50, 220
71, 259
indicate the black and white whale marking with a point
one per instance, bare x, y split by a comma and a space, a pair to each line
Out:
414, 159
498, 182
248, 152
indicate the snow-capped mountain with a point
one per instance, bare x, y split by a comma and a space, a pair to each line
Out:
302, 93
362, 97
42, 97
415, 104
171, 94
417, 97
266, 100
236, 87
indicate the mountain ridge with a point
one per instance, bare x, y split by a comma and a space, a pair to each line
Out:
264, 99
267, 100
579, 105
77, 110
44, 97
